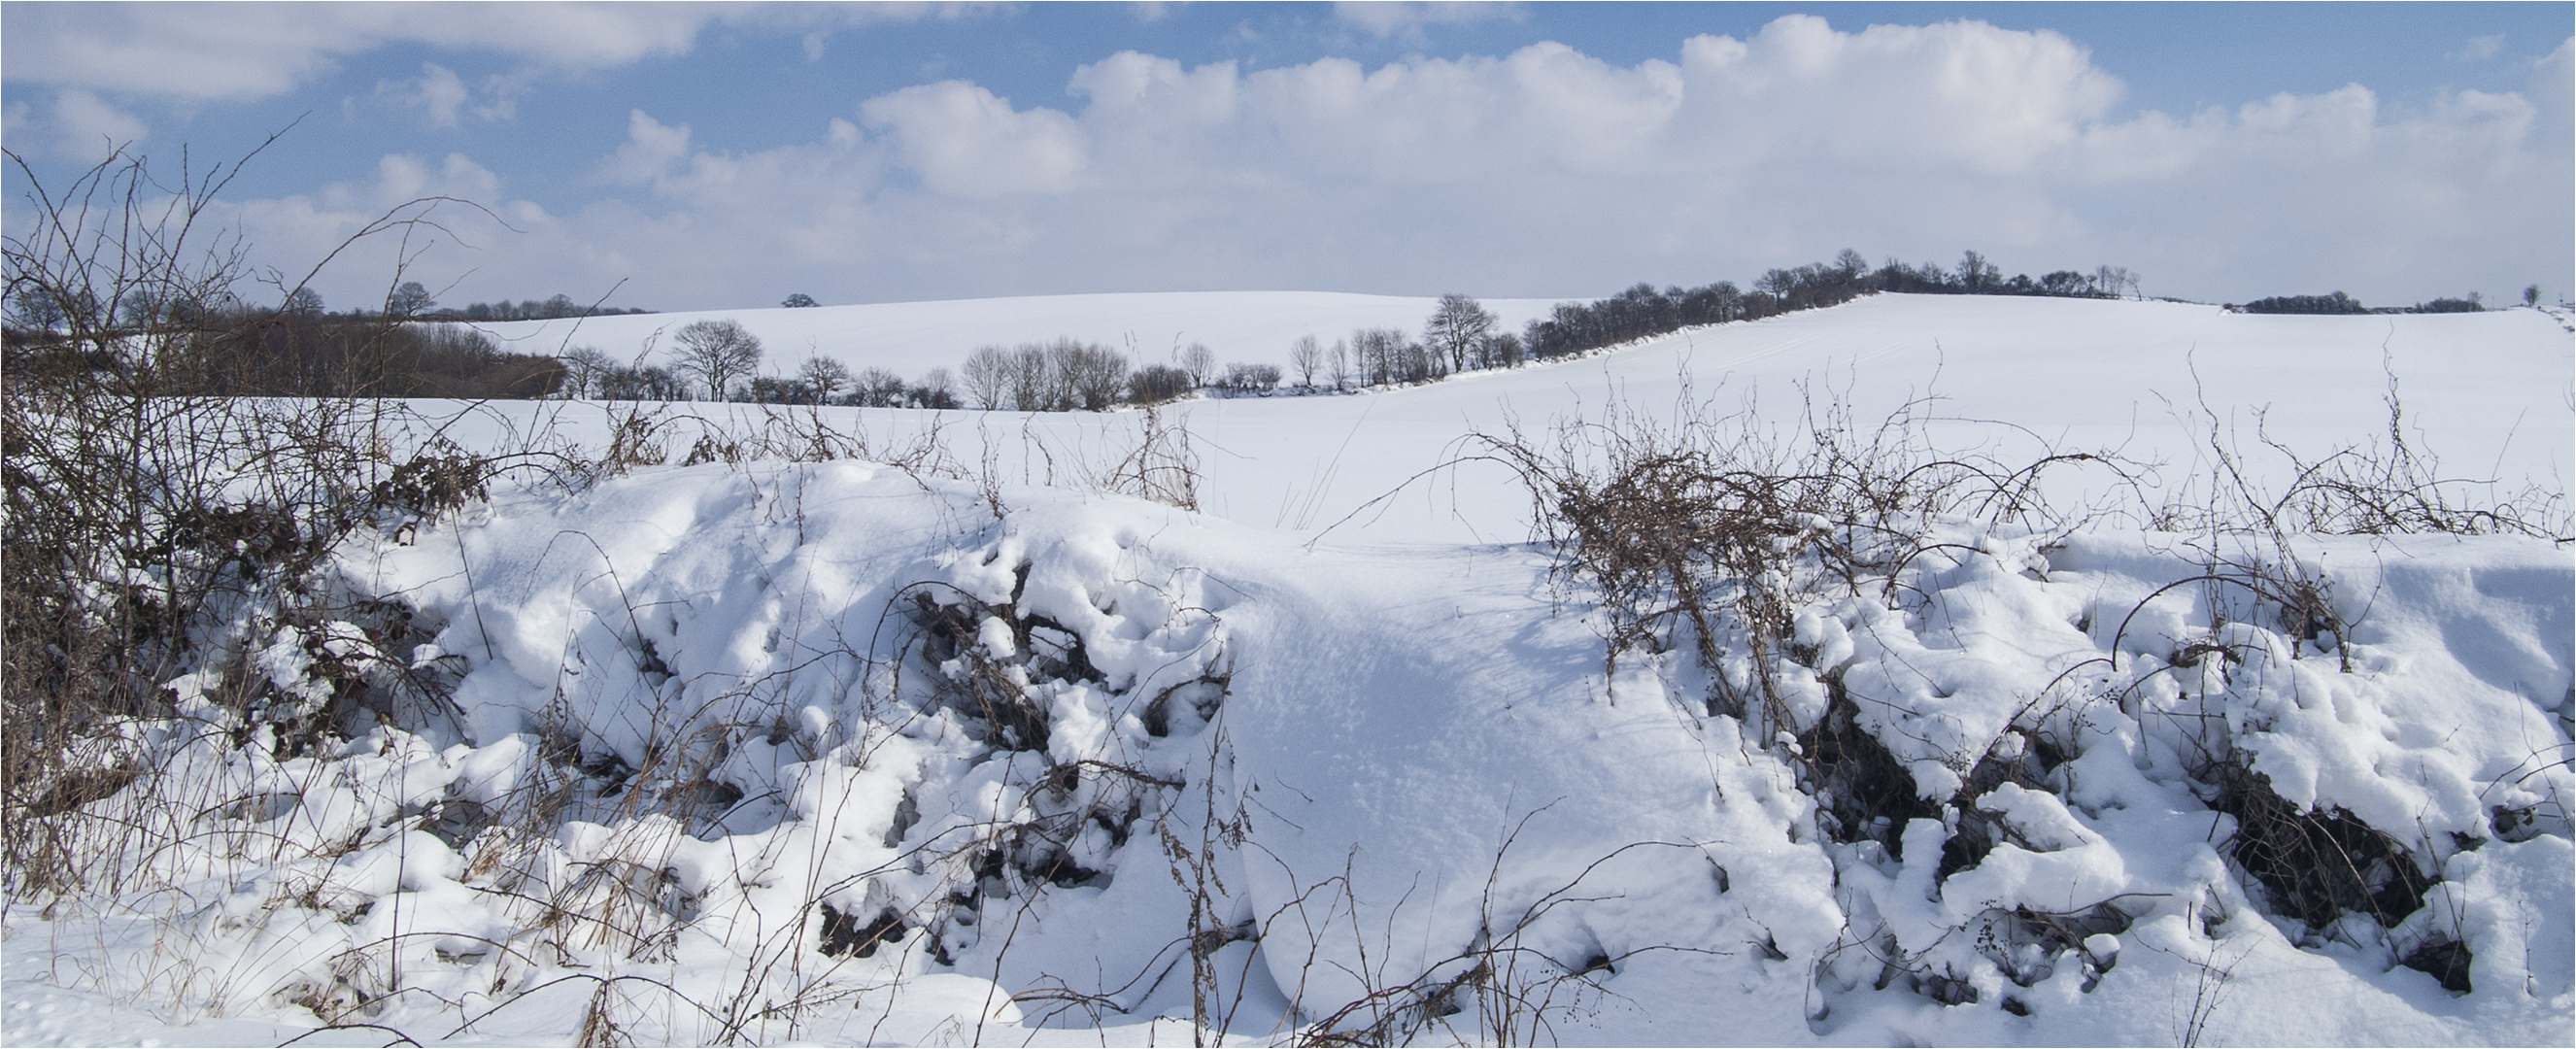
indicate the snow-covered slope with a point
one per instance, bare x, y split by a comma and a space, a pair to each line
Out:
975, 749
2489, 393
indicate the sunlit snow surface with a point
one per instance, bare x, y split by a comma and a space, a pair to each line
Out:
2489, 393
1415, 750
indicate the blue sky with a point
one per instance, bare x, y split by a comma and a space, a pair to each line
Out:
725, 156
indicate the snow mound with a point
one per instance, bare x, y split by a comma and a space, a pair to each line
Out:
831, 736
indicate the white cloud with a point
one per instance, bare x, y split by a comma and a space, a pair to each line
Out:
442, 93
648, 153
2479, 48
963, 141
1963, 96
260, 50
439, 93
453, 208
444, 96
1771, 149
1550, 172
87, 128
2553, 89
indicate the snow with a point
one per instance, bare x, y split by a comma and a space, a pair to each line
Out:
2148, 379
1118, 765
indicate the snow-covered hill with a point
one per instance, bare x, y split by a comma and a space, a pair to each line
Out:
2489, 393
960, 741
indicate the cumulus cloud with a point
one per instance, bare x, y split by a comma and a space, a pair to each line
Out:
456, 202
648, 153
260, 50
442, 93
443, 97
74, 125
1550, 172
2479, 48
1744, 153
962, 140
1963, 97
2553, 91
87, 128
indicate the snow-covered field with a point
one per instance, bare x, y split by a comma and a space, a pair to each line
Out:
2488, 392
981, 748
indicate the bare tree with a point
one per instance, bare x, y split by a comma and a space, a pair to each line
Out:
1033, 385
825, 375
717, 353
938, 389
1157, 383
408, 299
586, 368
1088, 377
879, 388
987, 376
36, 309
1306, 356
2115, 280
1976, 274
1777, 283
1251, 378
1385, 356
1341, 364
1200, 362
1369, 361
1851, 265
1456, 328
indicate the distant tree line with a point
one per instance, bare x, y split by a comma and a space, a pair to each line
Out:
1069, 375
720, 360
2338, 302
231, 348
301, 349
417, 305
2306, 305
1642, 311
1460, 335
407, 301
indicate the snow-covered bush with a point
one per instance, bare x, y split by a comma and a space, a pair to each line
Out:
1867, 610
